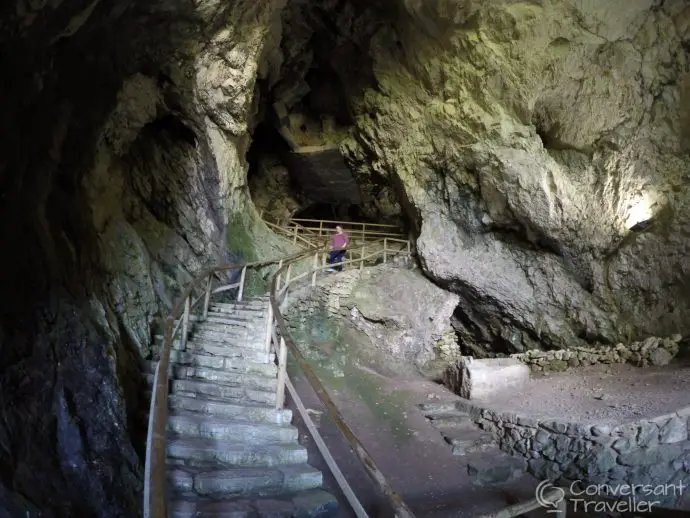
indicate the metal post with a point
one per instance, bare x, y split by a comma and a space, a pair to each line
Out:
385, 243
207, 297
269, 331
316, 265
185, 324
287, 285
282, 361
241, 289
361, 262
320, 227
280, 265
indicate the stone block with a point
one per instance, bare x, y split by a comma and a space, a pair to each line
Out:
675, 430
482, 378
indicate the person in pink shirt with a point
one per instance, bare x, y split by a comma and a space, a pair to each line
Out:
338, 249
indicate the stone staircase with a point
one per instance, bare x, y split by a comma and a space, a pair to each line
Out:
486, 463
231, 454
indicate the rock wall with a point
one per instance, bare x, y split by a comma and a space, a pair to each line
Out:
413, 326
653, 452
652, 351
525, 141
122, 173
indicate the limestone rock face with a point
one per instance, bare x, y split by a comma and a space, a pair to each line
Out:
525, 141
403, 313
122, 173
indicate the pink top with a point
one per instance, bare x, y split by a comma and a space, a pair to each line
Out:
339, 241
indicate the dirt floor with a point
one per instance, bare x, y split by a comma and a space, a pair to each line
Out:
604, 393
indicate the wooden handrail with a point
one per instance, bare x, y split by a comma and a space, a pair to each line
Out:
277, 296
154, 469
358, 233
344, 223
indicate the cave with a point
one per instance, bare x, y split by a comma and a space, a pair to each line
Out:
536, 152
303, 118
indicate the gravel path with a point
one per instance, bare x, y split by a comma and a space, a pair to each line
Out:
608, 393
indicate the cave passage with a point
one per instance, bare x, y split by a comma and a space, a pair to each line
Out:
304, 114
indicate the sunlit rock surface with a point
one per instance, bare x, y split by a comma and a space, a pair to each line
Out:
527, 139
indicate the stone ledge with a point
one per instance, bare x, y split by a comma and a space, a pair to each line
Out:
654, 451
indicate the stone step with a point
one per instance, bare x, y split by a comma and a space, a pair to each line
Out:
196, 425
306, 504
465, 445
195, 388
240, 314
223, 333
245, 481
230, 340
232, 453
217, 324
495, 467
224, 409
451, 421
250, 382
226, 350
440, 408
221, 319
238, 365
253, 306
255, 381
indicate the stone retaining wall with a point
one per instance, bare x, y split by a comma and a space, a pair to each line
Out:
652, 452
652, 351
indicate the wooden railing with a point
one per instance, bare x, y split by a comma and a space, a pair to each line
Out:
282, 343
186, 303
311, 231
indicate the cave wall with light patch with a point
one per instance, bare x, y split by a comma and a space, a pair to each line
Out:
520, 141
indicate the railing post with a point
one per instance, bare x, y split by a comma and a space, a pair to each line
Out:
269, 330
287, 284
385, 243
207, 296
282, 361
320, 227
294, 239
243, 275
316, 265
409, 247
361, 262
185, 324
280, 265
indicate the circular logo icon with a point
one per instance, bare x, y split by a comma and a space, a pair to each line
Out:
549, 496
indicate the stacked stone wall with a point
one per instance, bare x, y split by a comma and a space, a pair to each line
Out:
651, 351
652, 452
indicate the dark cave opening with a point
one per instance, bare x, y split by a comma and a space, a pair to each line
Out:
296, 168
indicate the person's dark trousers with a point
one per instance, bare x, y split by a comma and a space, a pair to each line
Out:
336, 256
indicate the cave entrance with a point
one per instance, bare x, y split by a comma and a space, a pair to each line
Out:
334, 212
305, 112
